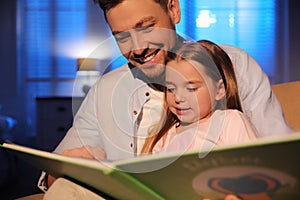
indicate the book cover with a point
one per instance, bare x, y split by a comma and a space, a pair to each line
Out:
264, 169
101, 177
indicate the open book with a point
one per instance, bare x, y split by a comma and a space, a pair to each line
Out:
265, 169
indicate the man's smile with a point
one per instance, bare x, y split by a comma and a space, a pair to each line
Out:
146, 59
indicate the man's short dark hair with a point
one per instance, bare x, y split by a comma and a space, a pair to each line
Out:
106, 5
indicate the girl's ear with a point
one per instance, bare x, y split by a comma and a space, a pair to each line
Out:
220, 92
174, 10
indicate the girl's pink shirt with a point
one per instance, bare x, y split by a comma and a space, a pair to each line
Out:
234, 128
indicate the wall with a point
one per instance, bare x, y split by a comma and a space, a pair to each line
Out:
294, 40
9, 93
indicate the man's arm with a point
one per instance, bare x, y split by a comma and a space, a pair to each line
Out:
258, 101
96, 153
81, 140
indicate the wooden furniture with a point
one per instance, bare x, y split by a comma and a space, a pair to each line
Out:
54, 116
288, 95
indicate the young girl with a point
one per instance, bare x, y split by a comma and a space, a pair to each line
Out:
203, 108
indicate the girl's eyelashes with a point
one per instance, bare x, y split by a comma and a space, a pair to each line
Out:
192, 89
170, 89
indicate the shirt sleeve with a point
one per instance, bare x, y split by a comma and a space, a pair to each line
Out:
85, 129
42, 183
258, 101
85, 122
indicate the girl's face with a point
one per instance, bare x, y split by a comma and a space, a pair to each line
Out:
190, 92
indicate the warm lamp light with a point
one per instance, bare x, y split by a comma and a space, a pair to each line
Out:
88, 70
88, 64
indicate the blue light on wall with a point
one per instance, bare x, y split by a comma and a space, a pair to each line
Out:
205, 19
247, 24
54, 29
49, 29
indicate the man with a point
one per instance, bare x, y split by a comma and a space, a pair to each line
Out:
124, 103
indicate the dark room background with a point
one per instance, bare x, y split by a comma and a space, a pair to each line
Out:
41, 40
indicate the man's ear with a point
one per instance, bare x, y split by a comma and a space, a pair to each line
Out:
220, 92
174, 10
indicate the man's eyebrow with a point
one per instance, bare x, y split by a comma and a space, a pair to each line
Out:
139, 24
144, 20
168, 82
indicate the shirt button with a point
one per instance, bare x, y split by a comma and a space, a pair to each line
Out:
147, 94
131, 145
134, 112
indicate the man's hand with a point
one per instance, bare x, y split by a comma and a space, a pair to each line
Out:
231, 197
228, 197
96, 153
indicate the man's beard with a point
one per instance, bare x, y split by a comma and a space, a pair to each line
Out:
156, 82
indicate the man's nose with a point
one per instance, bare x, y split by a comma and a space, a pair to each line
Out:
138, 42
